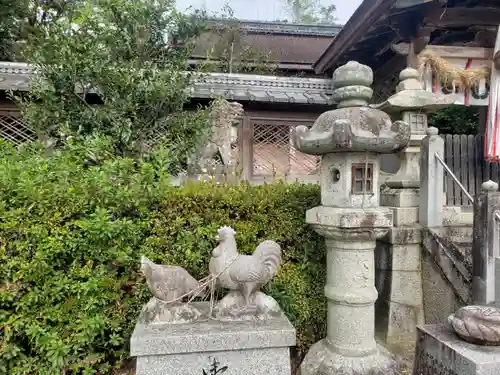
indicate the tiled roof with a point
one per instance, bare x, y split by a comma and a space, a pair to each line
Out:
281, 48
284, 42
242, 87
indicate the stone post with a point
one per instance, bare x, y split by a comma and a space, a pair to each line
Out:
497, 282
432, 183
485, 243
350, 139
399, 274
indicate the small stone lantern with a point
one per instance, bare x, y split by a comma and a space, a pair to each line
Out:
414, 104
350, 139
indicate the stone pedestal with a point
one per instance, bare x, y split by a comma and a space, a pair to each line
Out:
441, 351
399, 273
350, 347
243, 348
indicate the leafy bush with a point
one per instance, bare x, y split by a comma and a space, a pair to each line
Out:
456, 119
74, 223
116, 67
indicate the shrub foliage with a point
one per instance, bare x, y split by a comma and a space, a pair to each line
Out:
74, 223
116, 67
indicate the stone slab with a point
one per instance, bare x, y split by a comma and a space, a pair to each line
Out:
380, 217
406, 288
400, 198
457, 234
453, 215
402, 329
188, 349
440, 351
405, 216
403, 235
398, 257
275, 361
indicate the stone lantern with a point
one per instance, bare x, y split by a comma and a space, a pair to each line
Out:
414, 104
350, 139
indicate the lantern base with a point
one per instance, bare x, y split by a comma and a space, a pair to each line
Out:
322, 360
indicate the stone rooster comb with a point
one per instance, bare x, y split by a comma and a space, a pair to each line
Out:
226, 229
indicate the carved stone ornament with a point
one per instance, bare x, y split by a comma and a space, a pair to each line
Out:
354, 126
223, 135
244, 276
478, 325
170, 286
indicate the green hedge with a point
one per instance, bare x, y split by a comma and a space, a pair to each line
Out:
73, 225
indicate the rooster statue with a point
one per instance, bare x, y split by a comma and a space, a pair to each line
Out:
244, 275
170, 285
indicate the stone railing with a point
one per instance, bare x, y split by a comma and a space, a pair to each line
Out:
432, 210
486, 244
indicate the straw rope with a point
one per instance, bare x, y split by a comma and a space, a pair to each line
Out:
448, 73
208, 281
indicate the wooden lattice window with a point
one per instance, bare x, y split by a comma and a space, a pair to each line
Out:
418, 122
362, 179
274, 154
14, 129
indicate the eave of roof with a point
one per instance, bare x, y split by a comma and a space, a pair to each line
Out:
377, 25
275, 27
241, 87
367, 14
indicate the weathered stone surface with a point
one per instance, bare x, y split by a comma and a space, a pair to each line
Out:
353, 126
272, 361
323, 360
485, 244
336, 180
457, 234
400, 197
398, 257
457, 216
446, 276
405, 216
350, 140
410, 95
413, 103
345, 218
158, 312
441, 351
431, 188
225, 116
246, 348
403, 235
244, 275
497, 282
358, 129
478, 325
439, 297
170, 285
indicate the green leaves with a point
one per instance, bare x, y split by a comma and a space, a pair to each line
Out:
116, 68
456, 119
310, 11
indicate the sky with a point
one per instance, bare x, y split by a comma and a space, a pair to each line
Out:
267, 10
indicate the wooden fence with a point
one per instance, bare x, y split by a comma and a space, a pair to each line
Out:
464, 155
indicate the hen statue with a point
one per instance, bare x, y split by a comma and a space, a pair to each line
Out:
170, 285
244, 275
